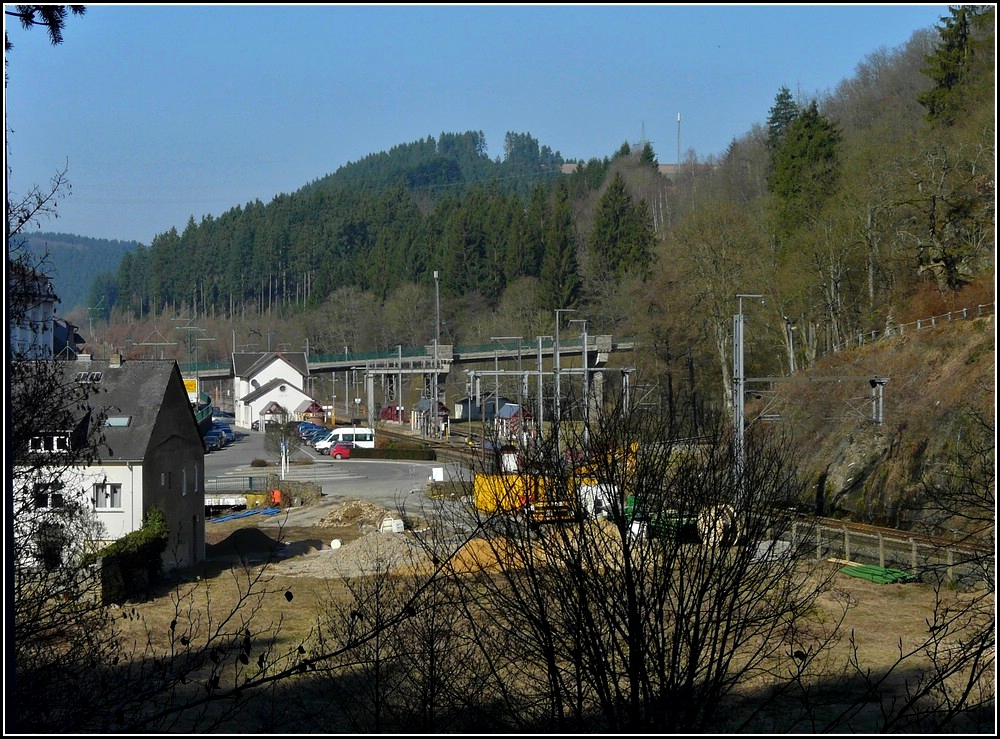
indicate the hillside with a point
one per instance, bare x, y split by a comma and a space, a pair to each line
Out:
74, 264
938, 373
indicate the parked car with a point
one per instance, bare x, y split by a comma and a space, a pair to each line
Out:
342, 450
226, 430
214, 441
311, 432
323, 442
315, 435
304, 426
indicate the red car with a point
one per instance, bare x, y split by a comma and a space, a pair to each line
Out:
341, 450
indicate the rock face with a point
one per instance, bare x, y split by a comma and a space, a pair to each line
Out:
938, 378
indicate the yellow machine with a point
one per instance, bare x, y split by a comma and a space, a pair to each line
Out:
537, 496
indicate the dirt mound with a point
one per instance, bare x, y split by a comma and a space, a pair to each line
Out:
356, 512
300, 547
248, 542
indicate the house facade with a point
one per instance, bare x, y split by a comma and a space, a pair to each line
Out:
150, 453
270, 385
35, 330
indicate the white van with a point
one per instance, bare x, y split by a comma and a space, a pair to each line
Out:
362, 437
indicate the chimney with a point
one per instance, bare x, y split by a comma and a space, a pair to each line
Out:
115, 360
83, 356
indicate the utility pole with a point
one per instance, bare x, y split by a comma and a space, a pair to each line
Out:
586, 385
399, 386
739, 389
437, 342
558, 391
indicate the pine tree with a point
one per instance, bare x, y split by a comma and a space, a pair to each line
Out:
805, 168
559, 279
622, 236
781, 115
951, 65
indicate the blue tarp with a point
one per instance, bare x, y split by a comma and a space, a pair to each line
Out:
244, 514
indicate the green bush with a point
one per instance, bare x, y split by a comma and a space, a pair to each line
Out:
131, 563
420, 453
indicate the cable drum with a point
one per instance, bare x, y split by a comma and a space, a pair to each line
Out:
717, 525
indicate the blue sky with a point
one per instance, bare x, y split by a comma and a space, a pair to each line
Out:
163, 112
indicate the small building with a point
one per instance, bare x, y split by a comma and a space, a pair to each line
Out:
422, 416
512, 421
467, 409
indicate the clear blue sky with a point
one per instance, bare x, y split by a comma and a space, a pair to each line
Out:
163, 112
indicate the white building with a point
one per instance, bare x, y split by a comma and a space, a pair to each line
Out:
269, 385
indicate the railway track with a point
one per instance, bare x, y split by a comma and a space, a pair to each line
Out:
456, 450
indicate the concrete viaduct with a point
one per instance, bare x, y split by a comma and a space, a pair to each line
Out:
535, 360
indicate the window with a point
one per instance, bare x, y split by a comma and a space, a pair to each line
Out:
49, 443
51, 541
118, 421
48, 495
107, 495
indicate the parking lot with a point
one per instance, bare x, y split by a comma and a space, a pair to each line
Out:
382, 482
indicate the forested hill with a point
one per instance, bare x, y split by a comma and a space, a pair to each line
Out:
73, 262
837, 208
450, 165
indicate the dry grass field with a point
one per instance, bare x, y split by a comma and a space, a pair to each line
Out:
303, 573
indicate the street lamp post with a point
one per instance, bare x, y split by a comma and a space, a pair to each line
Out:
739, 388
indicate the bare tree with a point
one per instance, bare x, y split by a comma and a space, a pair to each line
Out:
654, 617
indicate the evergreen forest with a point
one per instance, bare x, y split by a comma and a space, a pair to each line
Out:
839, 209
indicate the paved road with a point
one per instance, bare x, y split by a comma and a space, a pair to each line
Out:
383, 482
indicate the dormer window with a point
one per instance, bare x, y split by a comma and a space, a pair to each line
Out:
49, 443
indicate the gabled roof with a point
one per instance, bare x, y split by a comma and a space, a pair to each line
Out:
133, 392
512, 410
424, 405
268, 387
309, 405
248, 364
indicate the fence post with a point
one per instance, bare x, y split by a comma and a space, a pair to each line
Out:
913, 554
847, 544
819, 542
881, 551
951, 565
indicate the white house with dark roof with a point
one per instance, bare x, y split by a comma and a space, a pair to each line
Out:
151, 453
270, 385
35, 330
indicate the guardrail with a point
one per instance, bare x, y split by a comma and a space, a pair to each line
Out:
899, 329
239, 484
917, 555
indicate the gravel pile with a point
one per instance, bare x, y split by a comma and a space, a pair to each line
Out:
372, 554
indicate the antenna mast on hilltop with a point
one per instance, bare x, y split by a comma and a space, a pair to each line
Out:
678, 143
